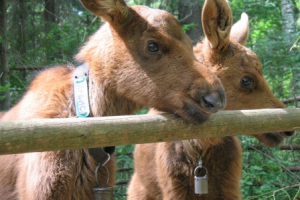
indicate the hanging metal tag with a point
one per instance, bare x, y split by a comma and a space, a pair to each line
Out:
104, 192
201, 183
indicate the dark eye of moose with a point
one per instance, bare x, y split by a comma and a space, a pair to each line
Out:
153, 47
246, 81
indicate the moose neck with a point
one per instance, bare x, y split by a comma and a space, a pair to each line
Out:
105, 101
103, 95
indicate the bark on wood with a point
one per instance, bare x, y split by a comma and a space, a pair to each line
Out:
290, 100
76, 133
294, 169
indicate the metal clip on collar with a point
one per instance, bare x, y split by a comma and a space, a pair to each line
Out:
107, 172
103, 192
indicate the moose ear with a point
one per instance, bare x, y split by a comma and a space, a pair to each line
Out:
112, 11
217, 22
240, 30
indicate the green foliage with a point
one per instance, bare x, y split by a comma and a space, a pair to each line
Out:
296, 45
125, 161
278, 64
265, 174
187, 27
34, 42
3, 89
141, 112
168, 5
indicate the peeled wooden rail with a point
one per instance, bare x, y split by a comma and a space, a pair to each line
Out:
76, 133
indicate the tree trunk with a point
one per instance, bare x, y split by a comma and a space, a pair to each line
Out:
4, 71
50, 15
190, 13
21, 40
288, 20
288, 27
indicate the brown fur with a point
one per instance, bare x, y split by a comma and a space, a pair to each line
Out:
165, 170
1, 114
123, 76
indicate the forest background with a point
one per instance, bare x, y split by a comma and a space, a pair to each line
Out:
36, 34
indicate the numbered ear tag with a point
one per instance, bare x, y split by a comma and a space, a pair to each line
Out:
201, 184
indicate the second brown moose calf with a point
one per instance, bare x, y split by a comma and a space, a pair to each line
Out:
165, 171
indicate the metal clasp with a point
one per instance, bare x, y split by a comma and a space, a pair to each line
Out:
104, 192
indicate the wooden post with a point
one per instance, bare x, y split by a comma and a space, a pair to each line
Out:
76, 133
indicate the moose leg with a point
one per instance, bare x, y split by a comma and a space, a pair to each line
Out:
9, 172
143, 184
52, 183
137, 190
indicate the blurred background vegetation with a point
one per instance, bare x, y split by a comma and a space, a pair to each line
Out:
38, 34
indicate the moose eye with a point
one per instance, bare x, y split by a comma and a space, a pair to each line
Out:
153, 47
248, 84
246, 81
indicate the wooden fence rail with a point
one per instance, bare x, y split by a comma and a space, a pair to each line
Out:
75, 133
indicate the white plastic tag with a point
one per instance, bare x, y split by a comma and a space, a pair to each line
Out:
81, 97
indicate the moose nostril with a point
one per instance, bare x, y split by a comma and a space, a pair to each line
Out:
214, 101
208, 104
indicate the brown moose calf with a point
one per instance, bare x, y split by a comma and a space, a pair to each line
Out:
139, 57
165, 171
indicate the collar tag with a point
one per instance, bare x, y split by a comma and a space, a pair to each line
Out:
81, 95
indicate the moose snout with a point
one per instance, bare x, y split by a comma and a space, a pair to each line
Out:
206, 96
214, 101
210, 101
